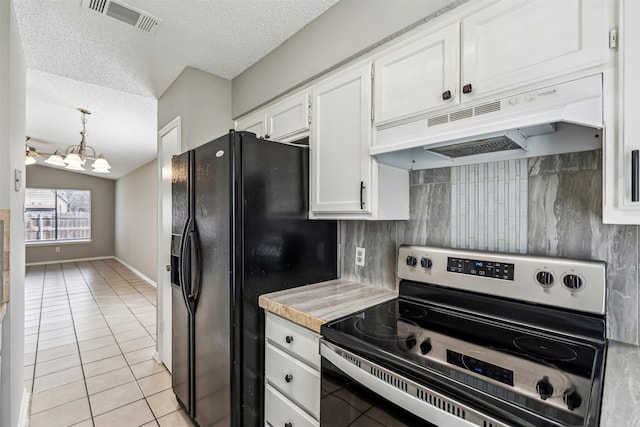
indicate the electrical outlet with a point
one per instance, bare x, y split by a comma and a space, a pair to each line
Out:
360, 256
57, 248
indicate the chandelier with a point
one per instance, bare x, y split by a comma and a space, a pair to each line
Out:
75, 155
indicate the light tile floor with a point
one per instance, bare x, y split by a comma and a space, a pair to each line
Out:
89, 339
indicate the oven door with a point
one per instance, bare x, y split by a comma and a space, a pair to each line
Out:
356, 391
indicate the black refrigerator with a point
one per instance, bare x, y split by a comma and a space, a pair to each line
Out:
239, 230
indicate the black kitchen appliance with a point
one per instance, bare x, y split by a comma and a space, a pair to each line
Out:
474, 339
239, 229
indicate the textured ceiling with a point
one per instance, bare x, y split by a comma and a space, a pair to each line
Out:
76, 57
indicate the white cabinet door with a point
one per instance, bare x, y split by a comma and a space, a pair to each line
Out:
288, 118
340, 169
622, 104
280, 411
419, 77
516, 42
253, 123
294, 379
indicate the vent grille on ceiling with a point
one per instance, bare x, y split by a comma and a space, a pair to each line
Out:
125, 14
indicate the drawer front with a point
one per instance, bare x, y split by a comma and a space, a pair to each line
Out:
294, 379
281, 412
294, 339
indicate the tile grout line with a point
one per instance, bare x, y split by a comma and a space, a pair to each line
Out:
35, 357
75, 332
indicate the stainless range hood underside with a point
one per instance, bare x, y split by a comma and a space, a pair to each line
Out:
563, 118
574, 138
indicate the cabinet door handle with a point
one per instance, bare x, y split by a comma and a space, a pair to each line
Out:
361, 194
446, 95
289, 339
467, 88
635, 165
288, 378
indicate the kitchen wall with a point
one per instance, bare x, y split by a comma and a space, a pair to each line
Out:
203, 101
136, 221
13, 398
103, 201
564, 219
346, 30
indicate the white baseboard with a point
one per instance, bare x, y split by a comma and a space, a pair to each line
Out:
23, 421
69, 260
138, 272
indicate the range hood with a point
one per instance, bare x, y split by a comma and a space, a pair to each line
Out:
562, 118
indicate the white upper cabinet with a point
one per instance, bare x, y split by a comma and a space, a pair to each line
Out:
513, 43
340, 138
418, 77
289, 119
253, 123
621, 108
285, 121
497, 47
345, 182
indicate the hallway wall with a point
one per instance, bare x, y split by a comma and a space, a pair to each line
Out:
136, 219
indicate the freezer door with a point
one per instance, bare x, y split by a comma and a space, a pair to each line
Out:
182, 329
180, 198
212, 339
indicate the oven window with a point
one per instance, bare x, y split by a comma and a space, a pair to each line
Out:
346, 403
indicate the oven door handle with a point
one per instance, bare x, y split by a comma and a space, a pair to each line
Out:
351, 365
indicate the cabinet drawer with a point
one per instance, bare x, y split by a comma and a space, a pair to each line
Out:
278, 411
294, 339
294, 379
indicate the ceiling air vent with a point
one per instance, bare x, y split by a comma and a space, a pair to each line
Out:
124, 13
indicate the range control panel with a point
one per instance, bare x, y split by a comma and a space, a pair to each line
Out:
560, 282
497, 270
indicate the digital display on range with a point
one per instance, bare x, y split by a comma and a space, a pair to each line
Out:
474, 267
480, 367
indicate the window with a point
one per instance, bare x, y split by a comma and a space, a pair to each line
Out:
57, 215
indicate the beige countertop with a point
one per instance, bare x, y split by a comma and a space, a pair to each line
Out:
313, 305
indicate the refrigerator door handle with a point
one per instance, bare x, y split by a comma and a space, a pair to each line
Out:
196, 266
185, 263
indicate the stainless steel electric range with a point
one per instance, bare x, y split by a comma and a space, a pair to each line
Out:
474, 339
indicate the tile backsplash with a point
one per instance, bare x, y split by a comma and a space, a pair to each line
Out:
564, 219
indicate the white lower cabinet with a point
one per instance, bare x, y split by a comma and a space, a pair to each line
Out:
292, 374
281, 412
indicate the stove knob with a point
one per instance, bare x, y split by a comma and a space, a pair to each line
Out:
411, 261
545, 278
572, 399
544, 388
425, 346
411, 342
572, 281
426, 263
